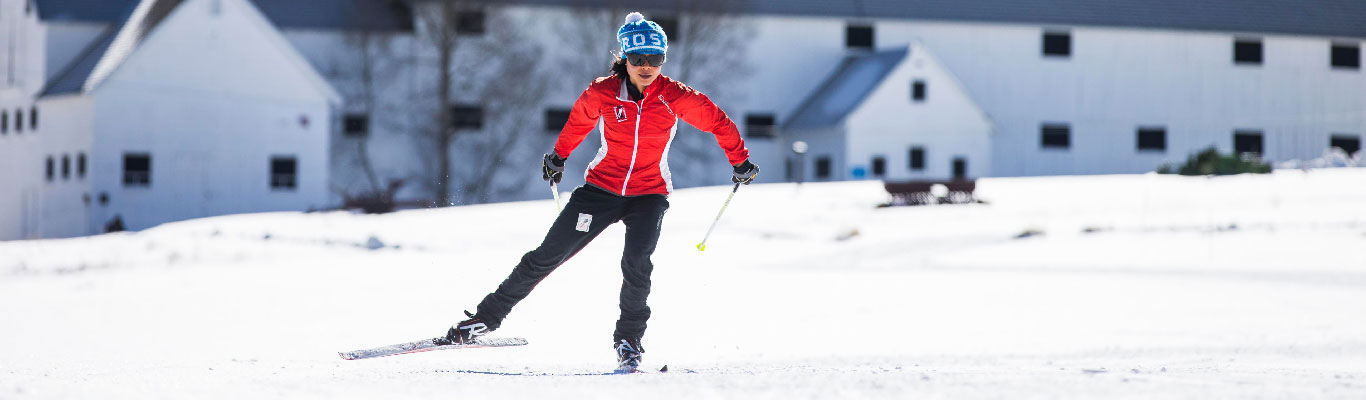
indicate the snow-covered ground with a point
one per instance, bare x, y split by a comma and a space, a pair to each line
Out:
1140, 286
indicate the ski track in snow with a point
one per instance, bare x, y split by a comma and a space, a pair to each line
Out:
1139, 287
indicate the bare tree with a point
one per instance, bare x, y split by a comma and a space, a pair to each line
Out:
480, 59
366, 75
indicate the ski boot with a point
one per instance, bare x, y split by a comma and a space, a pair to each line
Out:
468, 330
628, 355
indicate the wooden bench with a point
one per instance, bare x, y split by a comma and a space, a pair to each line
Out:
911, 193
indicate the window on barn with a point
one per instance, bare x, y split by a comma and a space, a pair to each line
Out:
80, 165
555, 118
1247, 142
918, 90
1346, 56
823, 167
1152, 139
356, 125
51, 169
917, 158
858, 37
1055, 136
137, 169
1057, 44
469, 22
1348, 143
879, 166
760, 126
467, 117
284, 173
1247, 51
670, 27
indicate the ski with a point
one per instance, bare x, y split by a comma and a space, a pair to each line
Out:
429, 345
638, 370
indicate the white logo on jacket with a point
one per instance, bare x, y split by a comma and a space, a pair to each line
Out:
621, 113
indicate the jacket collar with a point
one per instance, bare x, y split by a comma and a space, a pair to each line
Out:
624, 93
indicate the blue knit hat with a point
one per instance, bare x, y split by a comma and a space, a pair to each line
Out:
642, 37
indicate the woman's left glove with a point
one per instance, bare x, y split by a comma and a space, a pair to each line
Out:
745, 172
552, 167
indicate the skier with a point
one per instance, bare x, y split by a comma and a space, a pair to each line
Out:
627, 181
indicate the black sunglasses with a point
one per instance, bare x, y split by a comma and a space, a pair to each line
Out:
654, 60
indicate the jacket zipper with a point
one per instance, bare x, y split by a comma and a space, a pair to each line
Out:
635, 146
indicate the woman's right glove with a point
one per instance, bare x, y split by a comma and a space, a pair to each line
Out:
745, 172
552, 167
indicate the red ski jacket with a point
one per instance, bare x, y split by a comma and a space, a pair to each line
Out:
633, 159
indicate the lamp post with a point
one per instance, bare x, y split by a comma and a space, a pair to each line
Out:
799, 147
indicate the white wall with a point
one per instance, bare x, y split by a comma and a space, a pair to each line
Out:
64, 211
21, 47
21, 157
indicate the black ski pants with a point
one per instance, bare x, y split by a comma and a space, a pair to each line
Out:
589, 212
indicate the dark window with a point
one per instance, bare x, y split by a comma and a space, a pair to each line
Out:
66, 167
1346, 56
879, 166
80, 165
1152, 139
1055, 136
18, 120
960, 168
670, 27
469, 22
467, 117
858, 36
357, 125
760, 125
33, 118
917, 158
823, 167
284, 172
137, 169
1057, 44
1247, 142
1247, 51
1348, 143
555, 119
51, 169
4, 121
918, 90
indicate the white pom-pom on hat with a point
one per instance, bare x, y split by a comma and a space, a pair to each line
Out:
634, 17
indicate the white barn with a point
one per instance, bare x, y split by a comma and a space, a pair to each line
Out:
186, 109
872, 118
1009, 87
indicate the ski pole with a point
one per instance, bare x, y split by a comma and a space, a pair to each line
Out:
703, 245
555, 189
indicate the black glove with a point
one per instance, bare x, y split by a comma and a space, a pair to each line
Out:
552, 167
745, 172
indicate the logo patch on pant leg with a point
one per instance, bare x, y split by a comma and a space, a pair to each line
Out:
585, 220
